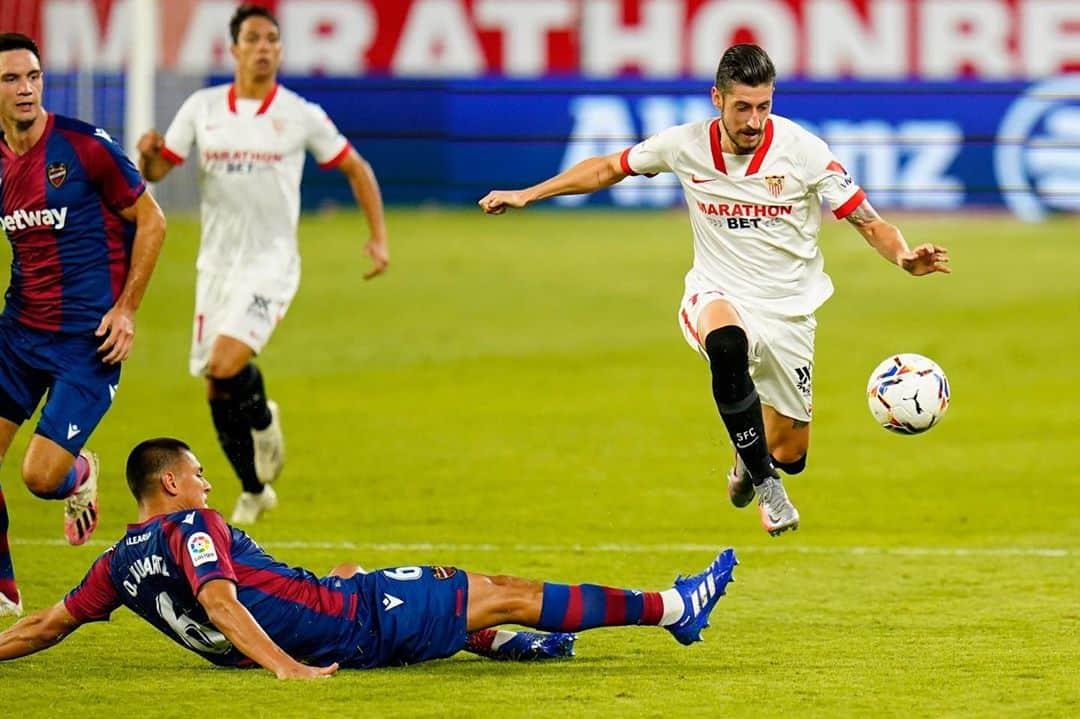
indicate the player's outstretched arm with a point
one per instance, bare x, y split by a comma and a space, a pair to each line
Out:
117, 326
218, 597
37, 632
887, 239
365, 189
590, 175
152, 164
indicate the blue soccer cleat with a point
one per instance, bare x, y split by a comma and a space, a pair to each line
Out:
700, 594
522, 646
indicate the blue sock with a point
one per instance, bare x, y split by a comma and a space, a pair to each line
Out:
571, 608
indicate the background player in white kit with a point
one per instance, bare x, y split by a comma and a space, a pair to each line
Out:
252, 136
754, 185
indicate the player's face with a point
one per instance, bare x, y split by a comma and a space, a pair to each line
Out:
20, 88
258, 48
191, 487
743, 112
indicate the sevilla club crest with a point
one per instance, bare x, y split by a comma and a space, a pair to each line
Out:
57, 173
775, 184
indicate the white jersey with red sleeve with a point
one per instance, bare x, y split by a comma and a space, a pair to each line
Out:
755, 218
251, 159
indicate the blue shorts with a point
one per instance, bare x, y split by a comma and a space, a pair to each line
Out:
413, 614
68, 366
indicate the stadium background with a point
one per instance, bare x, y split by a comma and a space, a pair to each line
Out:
515, 396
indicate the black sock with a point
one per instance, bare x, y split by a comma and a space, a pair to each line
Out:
791, 467
737, 400
246, 387
234, 436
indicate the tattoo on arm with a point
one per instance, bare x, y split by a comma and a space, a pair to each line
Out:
863, 215
798, 424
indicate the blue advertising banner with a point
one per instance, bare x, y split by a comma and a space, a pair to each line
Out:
916, 146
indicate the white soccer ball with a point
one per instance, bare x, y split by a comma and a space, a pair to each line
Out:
908, 393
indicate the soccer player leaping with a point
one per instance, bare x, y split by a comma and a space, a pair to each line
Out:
754, 185
85, 236
252, 135
212, 590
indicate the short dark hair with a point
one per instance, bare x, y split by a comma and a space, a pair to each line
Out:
243, 13
746, 65
149, 459
18, 41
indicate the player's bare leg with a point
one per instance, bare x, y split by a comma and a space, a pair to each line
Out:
683, 610
788, 439
245, 422
10, 600
727, 346
50, 472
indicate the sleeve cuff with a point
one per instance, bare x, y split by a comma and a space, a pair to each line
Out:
848, 207
171, 156
336, 159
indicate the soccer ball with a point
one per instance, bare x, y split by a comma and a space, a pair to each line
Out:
908, 393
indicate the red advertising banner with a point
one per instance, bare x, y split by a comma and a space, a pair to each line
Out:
817, 39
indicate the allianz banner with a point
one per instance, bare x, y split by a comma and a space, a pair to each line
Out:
915, 146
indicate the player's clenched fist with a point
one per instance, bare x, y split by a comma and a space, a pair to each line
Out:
150, 143
497, 201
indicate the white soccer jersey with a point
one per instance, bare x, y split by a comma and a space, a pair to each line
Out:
251, 158
755, 218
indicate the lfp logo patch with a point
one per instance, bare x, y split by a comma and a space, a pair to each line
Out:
201, 548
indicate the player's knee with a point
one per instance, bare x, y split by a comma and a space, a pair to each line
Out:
727, 347
728, 350
39, 480
227, 381
226, 371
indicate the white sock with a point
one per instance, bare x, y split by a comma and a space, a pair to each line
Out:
674, 606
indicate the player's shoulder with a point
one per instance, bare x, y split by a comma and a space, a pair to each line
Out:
293, 102
195, 518
75, 126
787, 129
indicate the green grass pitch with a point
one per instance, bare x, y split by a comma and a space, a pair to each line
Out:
515, 397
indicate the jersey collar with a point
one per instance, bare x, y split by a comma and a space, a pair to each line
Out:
10, 154
755, 161
262, 108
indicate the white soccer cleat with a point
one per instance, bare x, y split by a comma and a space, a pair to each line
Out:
81, 508
249, 507
269, 447
9, 608
778, 514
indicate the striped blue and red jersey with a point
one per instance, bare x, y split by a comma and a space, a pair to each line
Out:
159, 566
60, 207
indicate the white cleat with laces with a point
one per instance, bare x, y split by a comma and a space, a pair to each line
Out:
249, 507
269, 447
81, 508
778, 514
9, 608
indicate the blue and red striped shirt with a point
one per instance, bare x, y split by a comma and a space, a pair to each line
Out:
60, 206
159, 566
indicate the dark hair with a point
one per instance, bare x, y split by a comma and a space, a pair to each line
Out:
18, 41
243, 13
148, 460
746, 65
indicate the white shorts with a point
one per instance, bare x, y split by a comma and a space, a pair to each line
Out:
246, 308
781, 351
